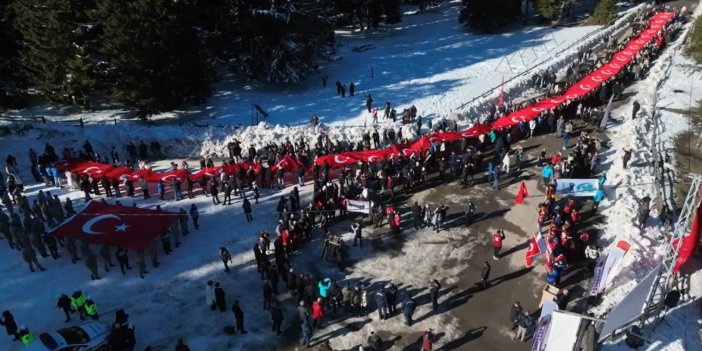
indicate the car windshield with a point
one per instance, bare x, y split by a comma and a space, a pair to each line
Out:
74, 335
48, 341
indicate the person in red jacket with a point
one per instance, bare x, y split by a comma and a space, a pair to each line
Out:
397, 222
497, 243
428, 338
317, 313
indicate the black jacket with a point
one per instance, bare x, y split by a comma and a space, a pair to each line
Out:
485, 273
276, 314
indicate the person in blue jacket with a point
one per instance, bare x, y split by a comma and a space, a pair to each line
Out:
599, 196
161, 189
56, 176
547, 174
324, 286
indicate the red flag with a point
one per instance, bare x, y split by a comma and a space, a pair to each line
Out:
532, 251
334, 161
690, 242
502, 92
287, 164
522, 193
130, 227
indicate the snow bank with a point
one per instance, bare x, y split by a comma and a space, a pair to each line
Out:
632, 184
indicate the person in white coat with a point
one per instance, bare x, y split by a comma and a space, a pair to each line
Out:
532, 126
364, 301
209, 295
505, 163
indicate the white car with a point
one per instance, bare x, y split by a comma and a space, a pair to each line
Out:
92, 336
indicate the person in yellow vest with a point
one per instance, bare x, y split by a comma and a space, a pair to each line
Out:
25, 336
91, 308
77, 303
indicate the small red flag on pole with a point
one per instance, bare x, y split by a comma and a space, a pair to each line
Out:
532, 251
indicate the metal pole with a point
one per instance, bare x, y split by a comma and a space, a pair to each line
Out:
666, 274
508, 65
522, 57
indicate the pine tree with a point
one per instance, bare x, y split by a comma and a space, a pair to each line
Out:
694, 48
278, 43
393, 13
57, 48
485, 15
13, 81
605, 13
548, 9
154, 59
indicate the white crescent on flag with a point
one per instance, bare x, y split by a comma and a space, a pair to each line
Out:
339, 159
87, 227
87, 170
281, 164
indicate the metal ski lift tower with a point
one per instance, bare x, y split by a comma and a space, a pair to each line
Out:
665, 278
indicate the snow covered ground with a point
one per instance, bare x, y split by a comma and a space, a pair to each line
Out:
437, 70
629, 185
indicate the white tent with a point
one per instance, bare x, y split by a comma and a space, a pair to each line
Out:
563, 332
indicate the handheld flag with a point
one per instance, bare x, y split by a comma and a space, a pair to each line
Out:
521, 193
532, 251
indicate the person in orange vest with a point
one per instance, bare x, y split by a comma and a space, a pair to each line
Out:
497, 243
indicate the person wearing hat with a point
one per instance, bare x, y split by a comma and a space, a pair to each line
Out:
25, 336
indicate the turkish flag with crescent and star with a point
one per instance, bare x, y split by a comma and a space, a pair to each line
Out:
129, 227
287, 163
532, 251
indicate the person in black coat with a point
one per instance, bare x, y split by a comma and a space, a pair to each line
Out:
239, 317
219, 298
64, 303
8, 321
514, 314
181, 346
391, 297
434, 291
485, 275
417, 215
277, 318
122, 259
267, 294
408, 307
247, 209
226, 257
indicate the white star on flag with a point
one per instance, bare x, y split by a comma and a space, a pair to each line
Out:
122, 227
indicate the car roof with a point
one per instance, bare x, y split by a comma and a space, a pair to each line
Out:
95, 329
